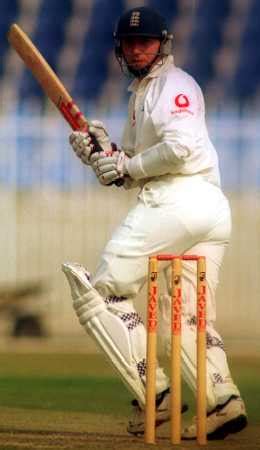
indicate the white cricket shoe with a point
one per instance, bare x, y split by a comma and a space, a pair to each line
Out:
223, 420
136, 423
78, 278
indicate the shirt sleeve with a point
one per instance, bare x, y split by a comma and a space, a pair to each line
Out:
176, 117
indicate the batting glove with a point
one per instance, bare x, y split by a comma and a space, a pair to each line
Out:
109, 168
100, 136
82, 145
95, 140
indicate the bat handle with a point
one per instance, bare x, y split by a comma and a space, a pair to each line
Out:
73, 115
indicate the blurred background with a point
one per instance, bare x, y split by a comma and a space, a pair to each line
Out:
52, 208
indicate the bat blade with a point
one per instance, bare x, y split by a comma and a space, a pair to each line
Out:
44, 74
50, 83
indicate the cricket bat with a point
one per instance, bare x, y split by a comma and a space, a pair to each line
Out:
50, 83
46, 77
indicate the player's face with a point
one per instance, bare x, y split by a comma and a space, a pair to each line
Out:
139, 52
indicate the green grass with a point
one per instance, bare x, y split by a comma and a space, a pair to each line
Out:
86, 383
88, 394
246, 373
61, 382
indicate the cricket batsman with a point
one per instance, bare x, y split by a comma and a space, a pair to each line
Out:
180, 209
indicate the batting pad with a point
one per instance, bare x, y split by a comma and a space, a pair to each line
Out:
108, 330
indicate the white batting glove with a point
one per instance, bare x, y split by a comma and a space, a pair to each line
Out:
109, 168
82, 145
101, 136
96, 139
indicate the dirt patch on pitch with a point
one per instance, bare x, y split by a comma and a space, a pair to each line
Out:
22, 429
11, 439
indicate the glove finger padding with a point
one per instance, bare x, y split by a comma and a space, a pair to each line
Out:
101, 161
104, 168
82, 145
107, 168
98, 130
108, 177
95, 157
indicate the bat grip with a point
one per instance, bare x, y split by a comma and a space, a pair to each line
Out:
73, 116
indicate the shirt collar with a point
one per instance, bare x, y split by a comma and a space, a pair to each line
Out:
153, 74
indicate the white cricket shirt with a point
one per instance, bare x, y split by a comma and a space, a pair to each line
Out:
166, 131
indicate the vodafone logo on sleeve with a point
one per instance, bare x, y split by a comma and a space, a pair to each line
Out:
181, 103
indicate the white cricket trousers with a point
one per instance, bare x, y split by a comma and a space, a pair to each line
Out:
175, 215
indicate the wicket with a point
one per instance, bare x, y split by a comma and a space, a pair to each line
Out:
176, 312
